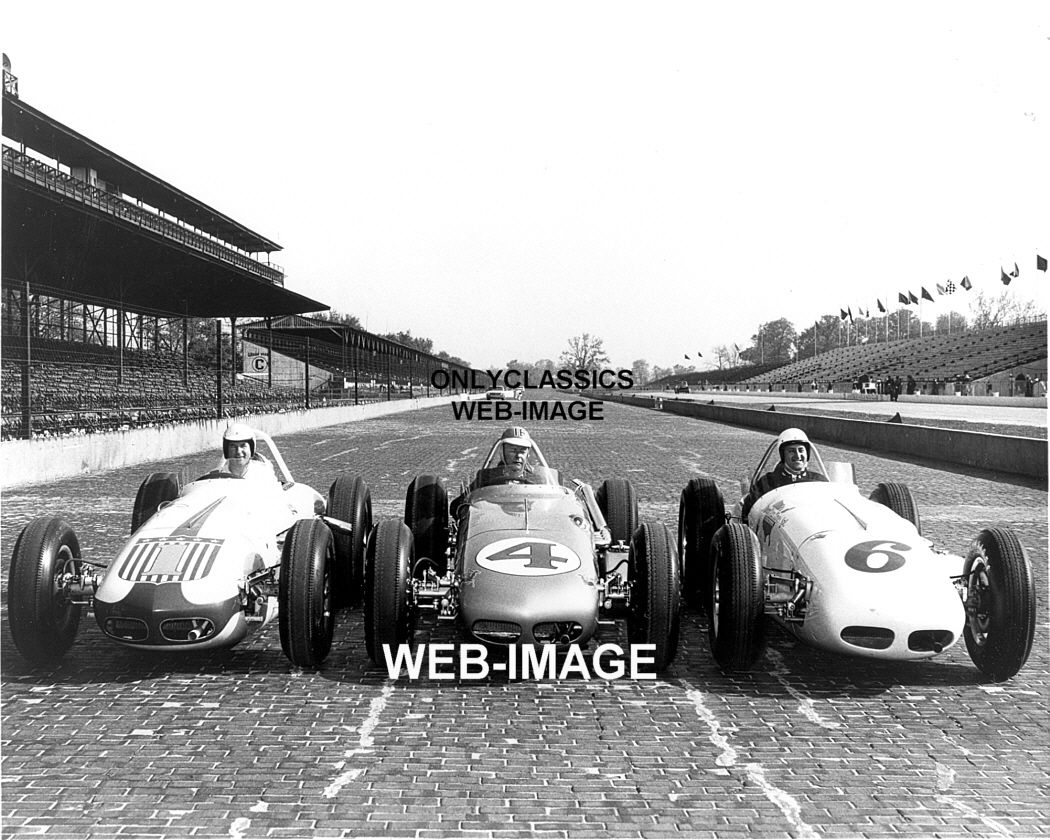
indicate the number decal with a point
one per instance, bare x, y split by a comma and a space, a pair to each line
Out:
876, 556
528, 557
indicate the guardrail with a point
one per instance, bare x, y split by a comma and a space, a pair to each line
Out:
981, 450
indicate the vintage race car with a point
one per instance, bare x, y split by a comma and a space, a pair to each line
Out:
505, 394
206, 564
522, 560
850, 574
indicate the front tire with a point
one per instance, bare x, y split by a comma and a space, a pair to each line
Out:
153, 492
736, 625
701, 512
389, 606
898, 498
1000, 604
426, 514
655, 592
619, 505
43, 623
307, 614
350, 500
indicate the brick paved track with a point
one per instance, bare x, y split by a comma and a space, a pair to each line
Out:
240, 744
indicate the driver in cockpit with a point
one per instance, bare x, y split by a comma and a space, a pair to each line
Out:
515, 448
241, 458
795, 451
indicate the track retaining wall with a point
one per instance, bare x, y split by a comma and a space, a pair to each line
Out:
34, 461
1000, 453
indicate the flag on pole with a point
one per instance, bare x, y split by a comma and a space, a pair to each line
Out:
1040, 263
903, 298
686, 355
1016, 272
927, 295
842, 314
966, 284
699, 355
850, 313
911, 297
1005, 278
881, 307
941, 290
949, 288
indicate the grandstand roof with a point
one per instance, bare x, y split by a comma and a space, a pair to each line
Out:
334, 333
25, 124
66, 250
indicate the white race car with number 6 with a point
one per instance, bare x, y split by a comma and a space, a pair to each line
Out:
850, 574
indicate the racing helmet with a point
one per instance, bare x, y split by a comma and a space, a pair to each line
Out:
793, 436
238, 433
517, 436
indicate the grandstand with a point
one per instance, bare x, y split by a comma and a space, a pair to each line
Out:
1008, 360
108, 275
984, 361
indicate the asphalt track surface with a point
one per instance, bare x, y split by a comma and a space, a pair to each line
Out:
241, 744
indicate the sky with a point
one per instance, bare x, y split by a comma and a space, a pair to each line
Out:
501, 177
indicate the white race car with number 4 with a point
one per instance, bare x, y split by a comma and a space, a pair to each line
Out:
206, 565
850, 574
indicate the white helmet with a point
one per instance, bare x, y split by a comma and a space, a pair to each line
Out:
793, 436
516, 436
238, 433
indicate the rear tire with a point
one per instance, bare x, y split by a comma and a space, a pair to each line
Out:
426, 514
655, 592
619, 505
307, 615
898, 498
701, 512
736, 624
153, 492
389, 606
350, 500
1000, 604
43, 623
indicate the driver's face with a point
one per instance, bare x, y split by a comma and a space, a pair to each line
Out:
513, 454
795, 457
239, 451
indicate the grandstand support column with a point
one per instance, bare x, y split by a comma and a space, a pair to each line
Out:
218, 367
388, 376
120, 344
233, 351
269, 351
27, 334
357, 355
306, 374
185, 351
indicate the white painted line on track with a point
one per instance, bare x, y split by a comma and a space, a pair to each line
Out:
365, 742
805, 704
339, 454
364, 745
727, 757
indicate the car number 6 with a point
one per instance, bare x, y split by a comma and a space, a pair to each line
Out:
876, 556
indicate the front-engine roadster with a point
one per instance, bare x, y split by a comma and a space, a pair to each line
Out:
521, 560
850, 574
207, 563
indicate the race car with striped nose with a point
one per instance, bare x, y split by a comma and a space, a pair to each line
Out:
849, 574
519, 560
206, 565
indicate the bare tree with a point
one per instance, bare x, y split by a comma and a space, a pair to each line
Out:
586, 352
999, 310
